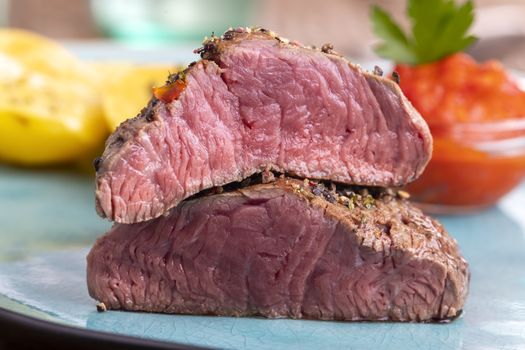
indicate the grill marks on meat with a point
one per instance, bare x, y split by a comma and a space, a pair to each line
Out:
278, 250
256, 102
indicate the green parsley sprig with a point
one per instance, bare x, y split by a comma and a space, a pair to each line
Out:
438, 28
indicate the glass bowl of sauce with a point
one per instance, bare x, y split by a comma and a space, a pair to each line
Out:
472, 167
476, 113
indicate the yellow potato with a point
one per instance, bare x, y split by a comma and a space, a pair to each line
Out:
52, 122
127, 89
50, 108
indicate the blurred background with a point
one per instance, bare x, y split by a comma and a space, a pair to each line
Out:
499, 23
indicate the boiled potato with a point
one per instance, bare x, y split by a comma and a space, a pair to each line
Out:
50, 109
44, 121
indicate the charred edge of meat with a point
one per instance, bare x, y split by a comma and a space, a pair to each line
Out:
97, 162
347, 196
101, 307
147, 112
179, 76
378, 71
233, 186
350, 196
327, 48
396, 77
118, 141
443, 321
209, 48
447, 319
229, 34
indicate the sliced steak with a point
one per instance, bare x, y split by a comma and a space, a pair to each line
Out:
256, 102
283, 249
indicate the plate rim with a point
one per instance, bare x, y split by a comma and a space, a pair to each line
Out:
19, 329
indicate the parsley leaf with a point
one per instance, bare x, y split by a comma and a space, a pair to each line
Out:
438, 28
396, 45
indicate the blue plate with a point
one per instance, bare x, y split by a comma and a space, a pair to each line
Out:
48, 223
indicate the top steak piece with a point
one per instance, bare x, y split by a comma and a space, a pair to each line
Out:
284, 249
258, 102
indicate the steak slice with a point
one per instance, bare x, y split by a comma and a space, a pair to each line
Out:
283, 249
257, 102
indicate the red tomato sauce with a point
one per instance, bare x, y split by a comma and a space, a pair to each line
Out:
450, 94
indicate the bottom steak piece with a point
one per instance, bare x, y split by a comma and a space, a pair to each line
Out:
288, 248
